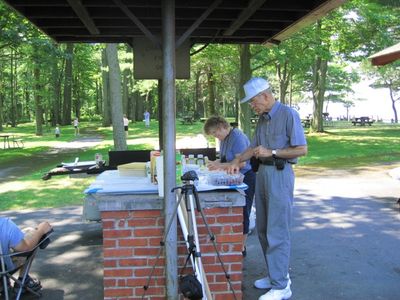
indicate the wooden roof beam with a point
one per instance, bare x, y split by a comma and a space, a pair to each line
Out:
253, 6
309, 18
137, 22
196, 24
84, 16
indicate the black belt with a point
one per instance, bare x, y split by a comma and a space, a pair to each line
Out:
268, 162
272, 162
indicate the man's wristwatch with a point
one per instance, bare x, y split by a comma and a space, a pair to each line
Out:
273, 153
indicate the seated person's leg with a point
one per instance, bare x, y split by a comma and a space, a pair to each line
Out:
32, 283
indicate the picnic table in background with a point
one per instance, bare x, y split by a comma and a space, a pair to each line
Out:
362, 121
187, 120
6, 140
16, 142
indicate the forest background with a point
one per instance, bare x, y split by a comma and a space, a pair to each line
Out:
45, 82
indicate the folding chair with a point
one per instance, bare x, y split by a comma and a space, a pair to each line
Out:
8, 274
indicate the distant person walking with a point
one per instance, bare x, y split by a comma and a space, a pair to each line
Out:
57, 131
76, 126
126, 124
146, 118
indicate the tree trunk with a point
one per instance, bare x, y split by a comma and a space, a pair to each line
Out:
125, 90
55, 103
318, 85
38, 104
67, 104
198, 108
319, 74
283, 76
211, 93
13, 108
245, 74
396, 119
106, 90
116, 97
1, 100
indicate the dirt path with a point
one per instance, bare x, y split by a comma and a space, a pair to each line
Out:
14, 169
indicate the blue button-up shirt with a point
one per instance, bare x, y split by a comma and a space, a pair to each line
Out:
278, 129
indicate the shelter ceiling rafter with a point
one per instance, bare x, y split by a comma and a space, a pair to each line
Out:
206, 21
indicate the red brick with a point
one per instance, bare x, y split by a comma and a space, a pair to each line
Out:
216, 211
236, 267
144, 272
117, 273
230, 219
146, 213
219, 287
133, 262
116, 233
142, 222
232, 258
118, 292
145, 251
133, 242
114, 214
237, 228
117, 252
109, 283
148, 232
110, 263
152, 290
109, 243
107, 224
154, 241
230, 238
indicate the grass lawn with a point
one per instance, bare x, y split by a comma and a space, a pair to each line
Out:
342, 147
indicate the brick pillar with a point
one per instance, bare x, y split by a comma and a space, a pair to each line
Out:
131, 241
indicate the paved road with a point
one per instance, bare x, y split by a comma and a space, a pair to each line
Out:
346, 241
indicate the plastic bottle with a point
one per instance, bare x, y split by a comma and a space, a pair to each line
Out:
200, 160
192, 161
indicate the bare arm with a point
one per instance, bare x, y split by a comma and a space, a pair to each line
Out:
288, 153
29, 242
234, 165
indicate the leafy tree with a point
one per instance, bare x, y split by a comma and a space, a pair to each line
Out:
116, 97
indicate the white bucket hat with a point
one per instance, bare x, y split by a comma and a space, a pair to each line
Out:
253, 87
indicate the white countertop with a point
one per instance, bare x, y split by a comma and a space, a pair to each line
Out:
110, 182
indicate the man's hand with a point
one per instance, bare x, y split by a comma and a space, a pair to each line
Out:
261, 151
44, 227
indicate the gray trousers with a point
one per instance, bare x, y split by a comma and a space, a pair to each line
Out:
274, 202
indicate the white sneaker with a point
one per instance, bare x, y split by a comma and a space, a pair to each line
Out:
273, 294
265, 283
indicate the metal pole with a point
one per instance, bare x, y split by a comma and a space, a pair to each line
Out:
169, 133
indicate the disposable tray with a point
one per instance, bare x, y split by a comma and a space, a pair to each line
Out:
221, 178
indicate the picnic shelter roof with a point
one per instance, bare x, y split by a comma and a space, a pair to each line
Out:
205, 21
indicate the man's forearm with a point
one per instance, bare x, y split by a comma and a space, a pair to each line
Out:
246, 155
291, 152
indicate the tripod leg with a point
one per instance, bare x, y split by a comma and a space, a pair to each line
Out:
212, 238
199, 264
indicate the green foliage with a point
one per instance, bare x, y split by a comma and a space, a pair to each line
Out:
339, 148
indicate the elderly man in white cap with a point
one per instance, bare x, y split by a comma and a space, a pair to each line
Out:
278, 141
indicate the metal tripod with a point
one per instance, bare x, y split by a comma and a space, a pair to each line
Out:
189, 229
